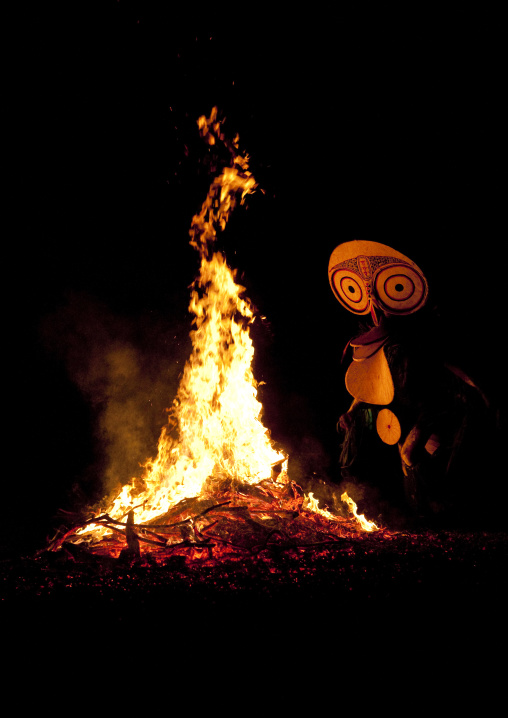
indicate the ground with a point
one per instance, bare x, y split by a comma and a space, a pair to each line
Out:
445, 570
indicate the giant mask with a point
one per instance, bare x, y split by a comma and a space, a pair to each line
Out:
419, 402
372, 278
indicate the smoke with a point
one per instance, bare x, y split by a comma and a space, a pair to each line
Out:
127, 369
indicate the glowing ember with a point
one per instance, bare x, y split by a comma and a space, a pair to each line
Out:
214, 437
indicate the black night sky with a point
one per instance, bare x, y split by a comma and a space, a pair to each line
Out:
379, 128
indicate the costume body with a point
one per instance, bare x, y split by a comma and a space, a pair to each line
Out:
404, 396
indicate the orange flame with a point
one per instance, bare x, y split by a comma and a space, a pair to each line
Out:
214, 427
312, 504
364, 523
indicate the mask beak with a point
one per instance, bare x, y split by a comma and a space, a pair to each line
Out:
374, 315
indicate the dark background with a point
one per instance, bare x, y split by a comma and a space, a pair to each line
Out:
359, 126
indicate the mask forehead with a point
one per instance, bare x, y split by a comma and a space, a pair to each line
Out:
363, 248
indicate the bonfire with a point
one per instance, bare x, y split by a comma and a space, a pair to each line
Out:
218, 484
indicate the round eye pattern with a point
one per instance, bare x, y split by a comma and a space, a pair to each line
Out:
351, 291
400, 289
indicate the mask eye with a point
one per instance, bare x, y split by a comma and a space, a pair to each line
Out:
400, 289
351, 291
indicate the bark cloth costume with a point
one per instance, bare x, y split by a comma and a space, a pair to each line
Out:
412, 415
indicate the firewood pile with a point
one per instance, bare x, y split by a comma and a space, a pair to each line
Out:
227, 520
